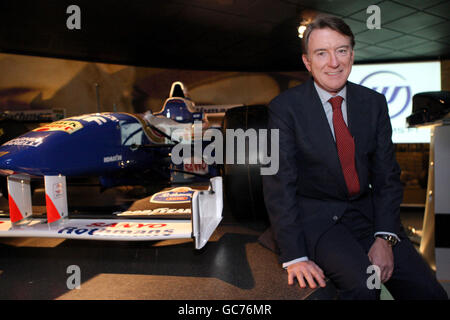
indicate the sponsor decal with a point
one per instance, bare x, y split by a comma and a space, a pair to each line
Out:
117, 157
196, 167
127, 225
58, 190
63, 125
176, 195
118, 229
24, 141
157, 211
96, 117
214, 109
3, 153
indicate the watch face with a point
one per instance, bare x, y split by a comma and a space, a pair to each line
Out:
390, 239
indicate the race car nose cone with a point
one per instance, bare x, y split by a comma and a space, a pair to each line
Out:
16, 161
5, 166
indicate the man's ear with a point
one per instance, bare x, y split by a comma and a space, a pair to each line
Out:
306, 62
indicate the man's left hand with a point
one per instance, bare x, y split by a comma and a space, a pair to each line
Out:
380, 254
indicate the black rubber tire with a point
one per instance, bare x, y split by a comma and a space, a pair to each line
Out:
243, 182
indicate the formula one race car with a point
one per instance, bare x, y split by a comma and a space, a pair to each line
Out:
131, 149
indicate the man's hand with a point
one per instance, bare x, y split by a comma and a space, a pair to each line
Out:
306, 270
380, 254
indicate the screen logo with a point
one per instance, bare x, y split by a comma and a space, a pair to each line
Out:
393, 86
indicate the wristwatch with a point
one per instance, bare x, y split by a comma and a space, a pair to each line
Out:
392, 241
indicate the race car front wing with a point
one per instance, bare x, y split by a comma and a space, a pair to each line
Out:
202, 210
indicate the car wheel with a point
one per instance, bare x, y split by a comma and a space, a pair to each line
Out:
243, 182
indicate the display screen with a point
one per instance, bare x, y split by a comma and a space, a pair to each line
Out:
399, 82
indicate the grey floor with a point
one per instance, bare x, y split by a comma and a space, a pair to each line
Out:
233, 265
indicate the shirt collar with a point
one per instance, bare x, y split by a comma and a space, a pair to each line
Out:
325, 96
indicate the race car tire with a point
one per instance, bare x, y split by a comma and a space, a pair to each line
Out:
243, 182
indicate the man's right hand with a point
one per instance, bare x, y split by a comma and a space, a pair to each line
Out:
306, 270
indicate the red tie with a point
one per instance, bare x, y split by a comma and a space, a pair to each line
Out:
345, 146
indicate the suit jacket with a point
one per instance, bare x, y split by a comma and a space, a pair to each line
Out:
308, 194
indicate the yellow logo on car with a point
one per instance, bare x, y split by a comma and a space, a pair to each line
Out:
66, 126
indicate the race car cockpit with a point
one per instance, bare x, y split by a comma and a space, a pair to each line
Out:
179, 107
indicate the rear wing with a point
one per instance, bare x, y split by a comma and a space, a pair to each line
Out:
189, 213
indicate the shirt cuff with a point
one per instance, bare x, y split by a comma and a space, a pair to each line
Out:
287, 264
389, 233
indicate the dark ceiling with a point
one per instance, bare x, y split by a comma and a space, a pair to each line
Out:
253, 35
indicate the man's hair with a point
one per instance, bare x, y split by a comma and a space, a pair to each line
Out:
327, 21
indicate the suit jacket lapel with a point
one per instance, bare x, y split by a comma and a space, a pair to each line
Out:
321, 135
356, 118
353, 111
319, 120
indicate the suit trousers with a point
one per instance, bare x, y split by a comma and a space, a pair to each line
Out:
342, 251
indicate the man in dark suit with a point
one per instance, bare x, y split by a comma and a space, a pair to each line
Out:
334, 203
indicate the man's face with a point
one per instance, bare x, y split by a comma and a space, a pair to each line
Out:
329, 59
